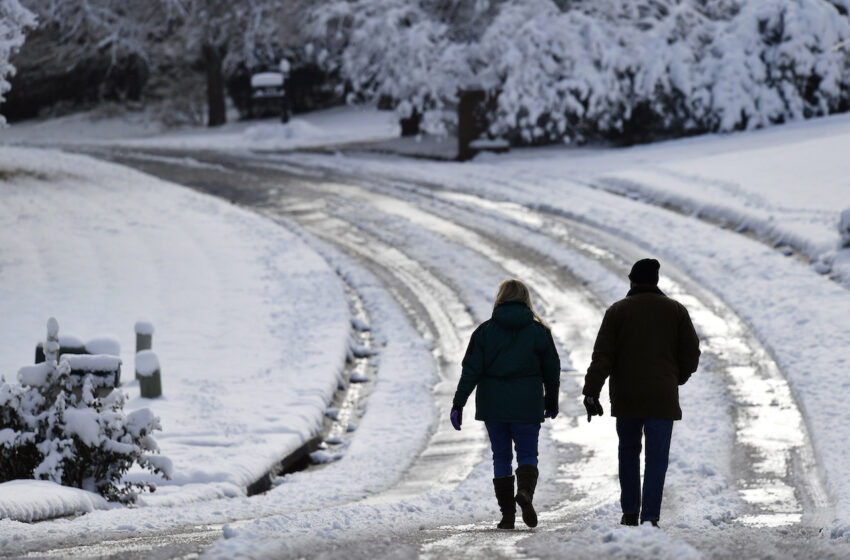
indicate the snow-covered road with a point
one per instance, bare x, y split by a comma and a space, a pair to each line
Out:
738, 483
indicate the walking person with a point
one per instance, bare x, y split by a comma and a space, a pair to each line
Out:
648, 347
512, 362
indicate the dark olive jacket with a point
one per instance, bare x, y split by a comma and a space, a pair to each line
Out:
512, 360
648, 346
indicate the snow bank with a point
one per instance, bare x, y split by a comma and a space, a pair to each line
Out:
339, 125
120, 245
35, 500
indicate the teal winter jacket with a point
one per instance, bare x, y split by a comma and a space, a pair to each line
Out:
513, 363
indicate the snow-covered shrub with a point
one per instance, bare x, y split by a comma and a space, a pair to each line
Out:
14, 21
53, 432
629, 69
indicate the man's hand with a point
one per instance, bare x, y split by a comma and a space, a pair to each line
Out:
550, 409
456, 417
593, 407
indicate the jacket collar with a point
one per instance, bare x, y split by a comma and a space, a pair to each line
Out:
645, 289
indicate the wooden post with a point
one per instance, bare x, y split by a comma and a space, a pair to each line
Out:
148, 374
144, 337
410, 125
471, 120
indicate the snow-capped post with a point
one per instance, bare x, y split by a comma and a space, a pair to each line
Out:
51, 345
148, 374
144, 336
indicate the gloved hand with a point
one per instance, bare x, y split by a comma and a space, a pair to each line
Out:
456, 417
594, 408
550, 409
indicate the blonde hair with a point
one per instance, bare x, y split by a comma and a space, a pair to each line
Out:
514, 290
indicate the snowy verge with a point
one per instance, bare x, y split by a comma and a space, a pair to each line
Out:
395, 425
35, 500
339, 125
252, 326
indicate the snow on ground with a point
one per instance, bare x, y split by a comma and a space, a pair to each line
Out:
252, 326
797, 312
750, 180
33, 500
338, 125
391, 431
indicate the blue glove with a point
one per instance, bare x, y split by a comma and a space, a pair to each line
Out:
457, 417
593, 407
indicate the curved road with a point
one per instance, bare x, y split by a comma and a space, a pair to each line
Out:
441, 255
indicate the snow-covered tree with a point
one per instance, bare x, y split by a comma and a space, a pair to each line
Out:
394, 49
574, 69
224, 34
117, 27
14, 21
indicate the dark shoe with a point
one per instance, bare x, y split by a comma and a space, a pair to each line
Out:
526, 482
504, 488
630, 519
654, 523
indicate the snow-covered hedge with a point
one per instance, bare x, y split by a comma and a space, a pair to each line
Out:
14, 21
52, 432
627, 69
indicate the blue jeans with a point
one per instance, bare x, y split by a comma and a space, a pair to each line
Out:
658, 434
524, 437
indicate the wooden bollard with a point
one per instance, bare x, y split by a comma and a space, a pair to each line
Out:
148, 374
144, 336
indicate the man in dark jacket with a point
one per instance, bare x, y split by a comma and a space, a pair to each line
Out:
648, 346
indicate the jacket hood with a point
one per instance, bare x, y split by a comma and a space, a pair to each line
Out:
513, 315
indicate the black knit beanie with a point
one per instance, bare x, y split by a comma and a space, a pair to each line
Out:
645, 271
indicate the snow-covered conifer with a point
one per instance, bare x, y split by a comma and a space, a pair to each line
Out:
54, 429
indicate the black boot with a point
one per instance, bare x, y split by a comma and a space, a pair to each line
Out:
630, 519
504, 487
526, 482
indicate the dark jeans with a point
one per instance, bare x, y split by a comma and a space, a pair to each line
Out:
658, 434
524, 437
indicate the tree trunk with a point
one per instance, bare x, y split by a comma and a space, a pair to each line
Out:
213, 56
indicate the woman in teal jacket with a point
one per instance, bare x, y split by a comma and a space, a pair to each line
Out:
513, 363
